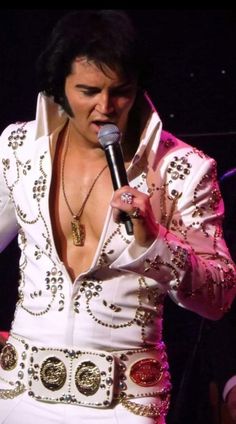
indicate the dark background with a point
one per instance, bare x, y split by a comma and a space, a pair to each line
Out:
194, 90
194, 57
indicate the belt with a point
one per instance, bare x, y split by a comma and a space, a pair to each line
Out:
92, 378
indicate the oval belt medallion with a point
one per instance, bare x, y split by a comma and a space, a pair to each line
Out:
146, 372
87, 378
8, 357
53, 373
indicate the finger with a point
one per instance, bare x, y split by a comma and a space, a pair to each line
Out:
136, 214
116, 215
127, 197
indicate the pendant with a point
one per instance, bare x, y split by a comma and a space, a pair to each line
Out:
78, 232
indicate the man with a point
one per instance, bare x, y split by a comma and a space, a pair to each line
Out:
86, 340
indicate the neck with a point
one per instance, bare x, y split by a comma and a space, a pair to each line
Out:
85, 150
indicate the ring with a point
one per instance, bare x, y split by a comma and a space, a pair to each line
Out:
127, 198
136, 214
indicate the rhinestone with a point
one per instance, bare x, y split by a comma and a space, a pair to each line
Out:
123, 357
88, 294
30, 371
122, 385
175, 175
20, 375
106, 403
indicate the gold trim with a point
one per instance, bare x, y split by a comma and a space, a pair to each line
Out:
151, 410
8, 357
12, 393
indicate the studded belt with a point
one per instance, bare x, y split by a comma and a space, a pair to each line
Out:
93, 378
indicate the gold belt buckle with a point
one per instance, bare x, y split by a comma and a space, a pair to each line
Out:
87, 378
8, 357
53, 373
83, 378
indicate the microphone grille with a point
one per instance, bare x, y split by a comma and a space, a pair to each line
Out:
109, 134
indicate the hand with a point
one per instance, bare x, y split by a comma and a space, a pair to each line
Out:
231, 403
137, 205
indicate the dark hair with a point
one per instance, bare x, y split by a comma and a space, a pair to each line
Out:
107, 37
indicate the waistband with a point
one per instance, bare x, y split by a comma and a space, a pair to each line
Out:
92, 378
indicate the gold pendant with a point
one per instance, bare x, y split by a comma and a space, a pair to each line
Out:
78, 232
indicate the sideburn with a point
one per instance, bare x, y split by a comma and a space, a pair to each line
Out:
65, 105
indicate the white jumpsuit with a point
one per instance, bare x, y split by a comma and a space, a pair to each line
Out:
92, 351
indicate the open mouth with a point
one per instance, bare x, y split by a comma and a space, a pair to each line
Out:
102, 123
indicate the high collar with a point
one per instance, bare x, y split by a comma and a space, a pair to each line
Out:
50, 118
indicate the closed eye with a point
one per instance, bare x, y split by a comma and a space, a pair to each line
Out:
90, 91
122, 92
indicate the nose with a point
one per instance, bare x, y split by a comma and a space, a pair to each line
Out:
105, 104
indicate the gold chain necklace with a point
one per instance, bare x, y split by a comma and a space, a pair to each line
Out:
78, 229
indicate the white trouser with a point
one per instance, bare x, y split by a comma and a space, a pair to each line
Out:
25, 410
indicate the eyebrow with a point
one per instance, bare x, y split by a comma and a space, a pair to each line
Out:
91, 87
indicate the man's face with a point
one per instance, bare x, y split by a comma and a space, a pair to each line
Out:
97, 98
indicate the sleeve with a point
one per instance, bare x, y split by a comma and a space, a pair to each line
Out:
189, 257
8, 221
228, 386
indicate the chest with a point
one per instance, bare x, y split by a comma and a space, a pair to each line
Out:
82, 197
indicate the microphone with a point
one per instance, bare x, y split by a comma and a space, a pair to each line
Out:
109, 137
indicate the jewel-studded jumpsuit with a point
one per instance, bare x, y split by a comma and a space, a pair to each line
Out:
92, 351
